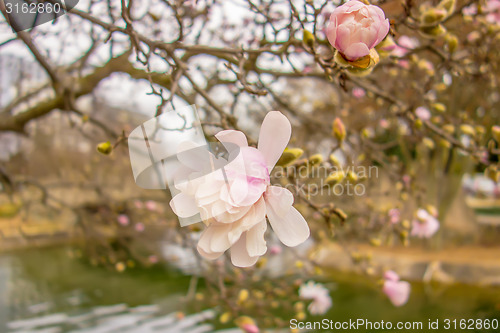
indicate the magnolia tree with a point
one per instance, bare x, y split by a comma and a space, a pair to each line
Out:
381, 107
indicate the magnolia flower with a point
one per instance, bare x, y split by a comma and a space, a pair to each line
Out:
320, 296
397, 291
355, 28
234, 200
425, 225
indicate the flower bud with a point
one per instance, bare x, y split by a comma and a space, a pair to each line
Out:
243, 295
339, 129
315, 159
451, 42
289, 156
467, 129
105, 148
308, 38
438, 107
225, 317
334, 178
428, 143
449, 128
352, 176
433, 16
432, 31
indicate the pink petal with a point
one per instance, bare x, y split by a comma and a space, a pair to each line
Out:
274, 135
232, 136
383, 31
331, 30
183, 205
279, 199
356, 51
256, 243
398, 292
292, 229
391, 275
239, 254
343, 38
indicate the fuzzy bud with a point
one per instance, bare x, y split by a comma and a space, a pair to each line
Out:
339, 129
289, 156
105, 148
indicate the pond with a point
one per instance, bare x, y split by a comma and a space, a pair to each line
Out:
39, 282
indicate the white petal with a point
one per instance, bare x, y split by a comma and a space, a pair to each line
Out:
183, 205
239, 254
292, 229
215, 238
256, 243
209, 256
280, 199
233, 138
274, 135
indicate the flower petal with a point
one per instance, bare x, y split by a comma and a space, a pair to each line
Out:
256, 243
279, 199
274, 136
239, 254
209, 255
215, 238
356, 51
183, 205
397, 291
233, 138
292, 229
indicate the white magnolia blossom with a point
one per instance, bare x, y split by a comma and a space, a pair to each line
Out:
234, 196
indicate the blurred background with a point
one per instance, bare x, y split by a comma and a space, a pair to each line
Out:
84, 249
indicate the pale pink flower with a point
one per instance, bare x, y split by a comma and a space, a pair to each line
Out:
321, 300
425, 225
123, 219
397, 291
355, 28
423, 113
384, 123
234, 200
138, 204
150, 205
394, 215
275, 249
405, 44
139, 227
358, 92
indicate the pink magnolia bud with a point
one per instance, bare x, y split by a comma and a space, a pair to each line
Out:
355, 28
